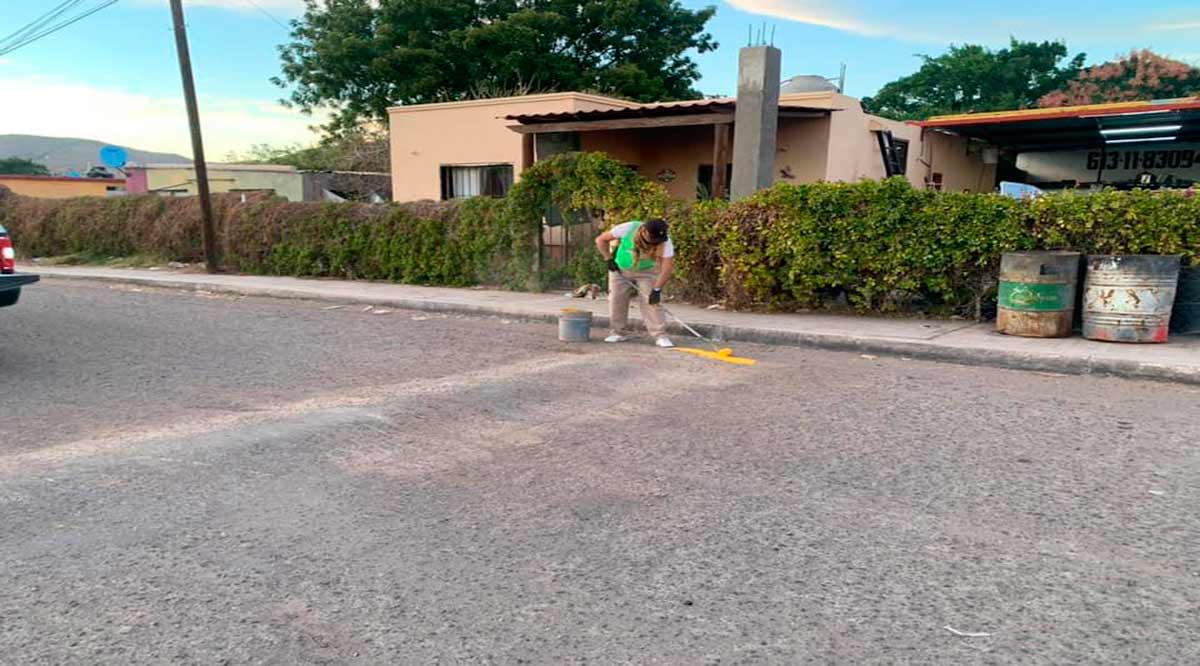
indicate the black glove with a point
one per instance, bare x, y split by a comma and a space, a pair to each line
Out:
656, 297
613, 267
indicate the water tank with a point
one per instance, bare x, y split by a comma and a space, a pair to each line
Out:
806, 83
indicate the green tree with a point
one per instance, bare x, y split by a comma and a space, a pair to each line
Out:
973, 78
19, 166
1142, 75
357, 150
359, 57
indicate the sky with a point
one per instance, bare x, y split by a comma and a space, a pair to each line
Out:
114, 77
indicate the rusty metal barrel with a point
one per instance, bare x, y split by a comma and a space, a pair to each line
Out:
1185, 315
1128, 298
1037, 293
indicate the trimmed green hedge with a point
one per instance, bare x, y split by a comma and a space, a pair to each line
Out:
458, 243
883, 246
455, 244
478, 241
869, 246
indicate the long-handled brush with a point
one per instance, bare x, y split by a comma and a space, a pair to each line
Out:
718, 353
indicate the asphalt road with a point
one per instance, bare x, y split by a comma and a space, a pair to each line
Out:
186, 478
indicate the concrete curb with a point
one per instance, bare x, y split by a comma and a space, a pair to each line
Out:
975, 356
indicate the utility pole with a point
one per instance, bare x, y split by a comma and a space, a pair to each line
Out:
212, 256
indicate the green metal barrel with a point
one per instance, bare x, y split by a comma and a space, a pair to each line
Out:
1037, 293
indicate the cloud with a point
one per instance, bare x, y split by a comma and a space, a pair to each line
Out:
1192, 59
1195, 25
813, 12
55, 107
936, 24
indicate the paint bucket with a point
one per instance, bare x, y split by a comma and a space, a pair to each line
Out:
1185, 316
1128, 298
1037, 293
574, 325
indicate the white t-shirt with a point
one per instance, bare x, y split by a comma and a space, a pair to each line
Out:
621, 230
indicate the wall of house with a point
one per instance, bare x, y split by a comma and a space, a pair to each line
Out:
135, 181
669, 156
53, 187
672, 156
808, 150
624, 145
960, 164
425, 137
913, 168
802, 149
181, 181
854, 144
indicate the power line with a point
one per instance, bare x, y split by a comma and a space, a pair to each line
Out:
30, 31
25, 38
38, 23
268, 14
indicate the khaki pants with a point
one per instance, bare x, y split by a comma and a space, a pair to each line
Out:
619, 288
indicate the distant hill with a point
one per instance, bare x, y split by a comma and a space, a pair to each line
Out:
61, 154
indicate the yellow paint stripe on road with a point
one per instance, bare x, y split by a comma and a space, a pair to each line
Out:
723, 355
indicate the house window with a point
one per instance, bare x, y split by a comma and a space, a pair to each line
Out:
894, 152
901, 148
704, 181
492, 180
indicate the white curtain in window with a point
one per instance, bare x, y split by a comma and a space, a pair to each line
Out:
468, 181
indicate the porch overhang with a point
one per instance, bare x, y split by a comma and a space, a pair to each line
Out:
717, 113
1079, 127
670, 114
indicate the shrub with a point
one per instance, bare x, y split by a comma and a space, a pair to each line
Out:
582, 188
458, 243
454, 243
697, 250
871, 246
880, 246
477, 241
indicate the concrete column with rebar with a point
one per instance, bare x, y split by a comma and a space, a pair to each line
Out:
756, 121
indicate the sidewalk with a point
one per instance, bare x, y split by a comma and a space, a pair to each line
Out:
954, 341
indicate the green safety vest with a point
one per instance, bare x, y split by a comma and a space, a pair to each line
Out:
626, 251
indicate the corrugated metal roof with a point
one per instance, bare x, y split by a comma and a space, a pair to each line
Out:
1079, 127
1084, 111
655, 110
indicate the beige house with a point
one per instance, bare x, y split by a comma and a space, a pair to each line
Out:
479, 147
468, 139
179, 180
